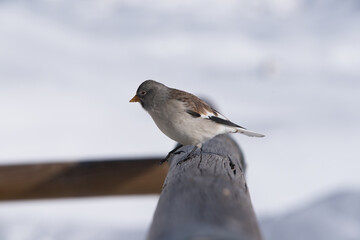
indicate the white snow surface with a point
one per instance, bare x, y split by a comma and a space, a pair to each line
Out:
334, 217
81, 219
288, 69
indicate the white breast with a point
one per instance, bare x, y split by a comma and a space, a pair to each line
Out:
177, 124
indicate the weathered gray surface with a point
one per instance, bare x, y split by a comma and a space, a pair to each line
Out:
207, 199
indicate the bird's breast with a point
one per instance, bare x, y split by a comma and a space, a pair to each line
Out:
177, 124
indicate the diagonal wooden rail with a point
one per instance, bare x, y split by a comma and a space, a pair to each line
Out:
79, 179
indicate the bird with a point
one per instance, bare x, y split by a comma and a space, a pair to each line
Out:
184, 117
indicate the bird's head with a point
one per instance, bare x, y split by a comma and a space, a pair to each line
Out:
147, 91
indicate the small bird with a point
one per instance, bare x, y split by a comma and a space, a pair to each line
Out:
184, 117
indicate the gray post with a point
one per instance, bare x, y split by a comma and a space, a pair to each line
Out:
207, 199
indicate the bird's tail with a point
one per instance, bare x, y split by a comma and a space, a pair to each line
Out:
249, 133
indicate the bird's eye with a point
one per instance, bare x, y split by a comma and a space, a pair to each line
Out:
142, 93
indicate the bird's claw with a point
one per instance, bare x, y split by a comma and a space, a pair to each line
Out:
181, 161
170, 154
185, 159
178, 152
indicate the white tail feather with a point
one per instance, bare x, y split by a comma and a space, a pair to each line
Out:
249, 133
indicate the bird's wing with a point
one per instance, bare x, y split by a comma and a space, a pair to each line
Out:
191, 102
198, 108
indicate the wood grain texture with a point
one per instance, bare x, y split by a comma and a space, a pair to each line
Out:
206, 199
80, 179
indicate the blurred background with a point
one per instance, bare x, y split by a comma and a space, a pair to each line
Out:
285, 68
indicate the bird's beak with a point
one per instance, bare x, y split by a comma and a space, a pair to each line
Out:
135, 99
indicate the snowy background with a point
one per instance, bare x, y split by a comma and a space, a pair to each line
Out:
288, 69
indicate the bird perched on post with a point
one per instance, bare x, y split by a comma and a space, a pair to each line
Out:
184, 117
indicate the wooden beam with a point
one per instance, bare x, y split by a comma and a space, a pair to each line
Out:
80, 179
206, 199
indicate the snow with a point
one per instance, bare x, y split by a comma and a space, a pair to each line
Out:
288, 69
334, 217
106, 217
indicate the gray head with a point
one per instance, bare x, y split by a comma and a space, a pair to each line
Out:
147, 91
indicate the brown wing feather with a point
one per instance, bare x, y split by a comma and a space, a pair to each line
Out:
192, 102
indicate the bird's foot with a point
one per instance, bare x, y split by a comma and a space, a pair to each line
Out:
170, 154
190, 155
184, 159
